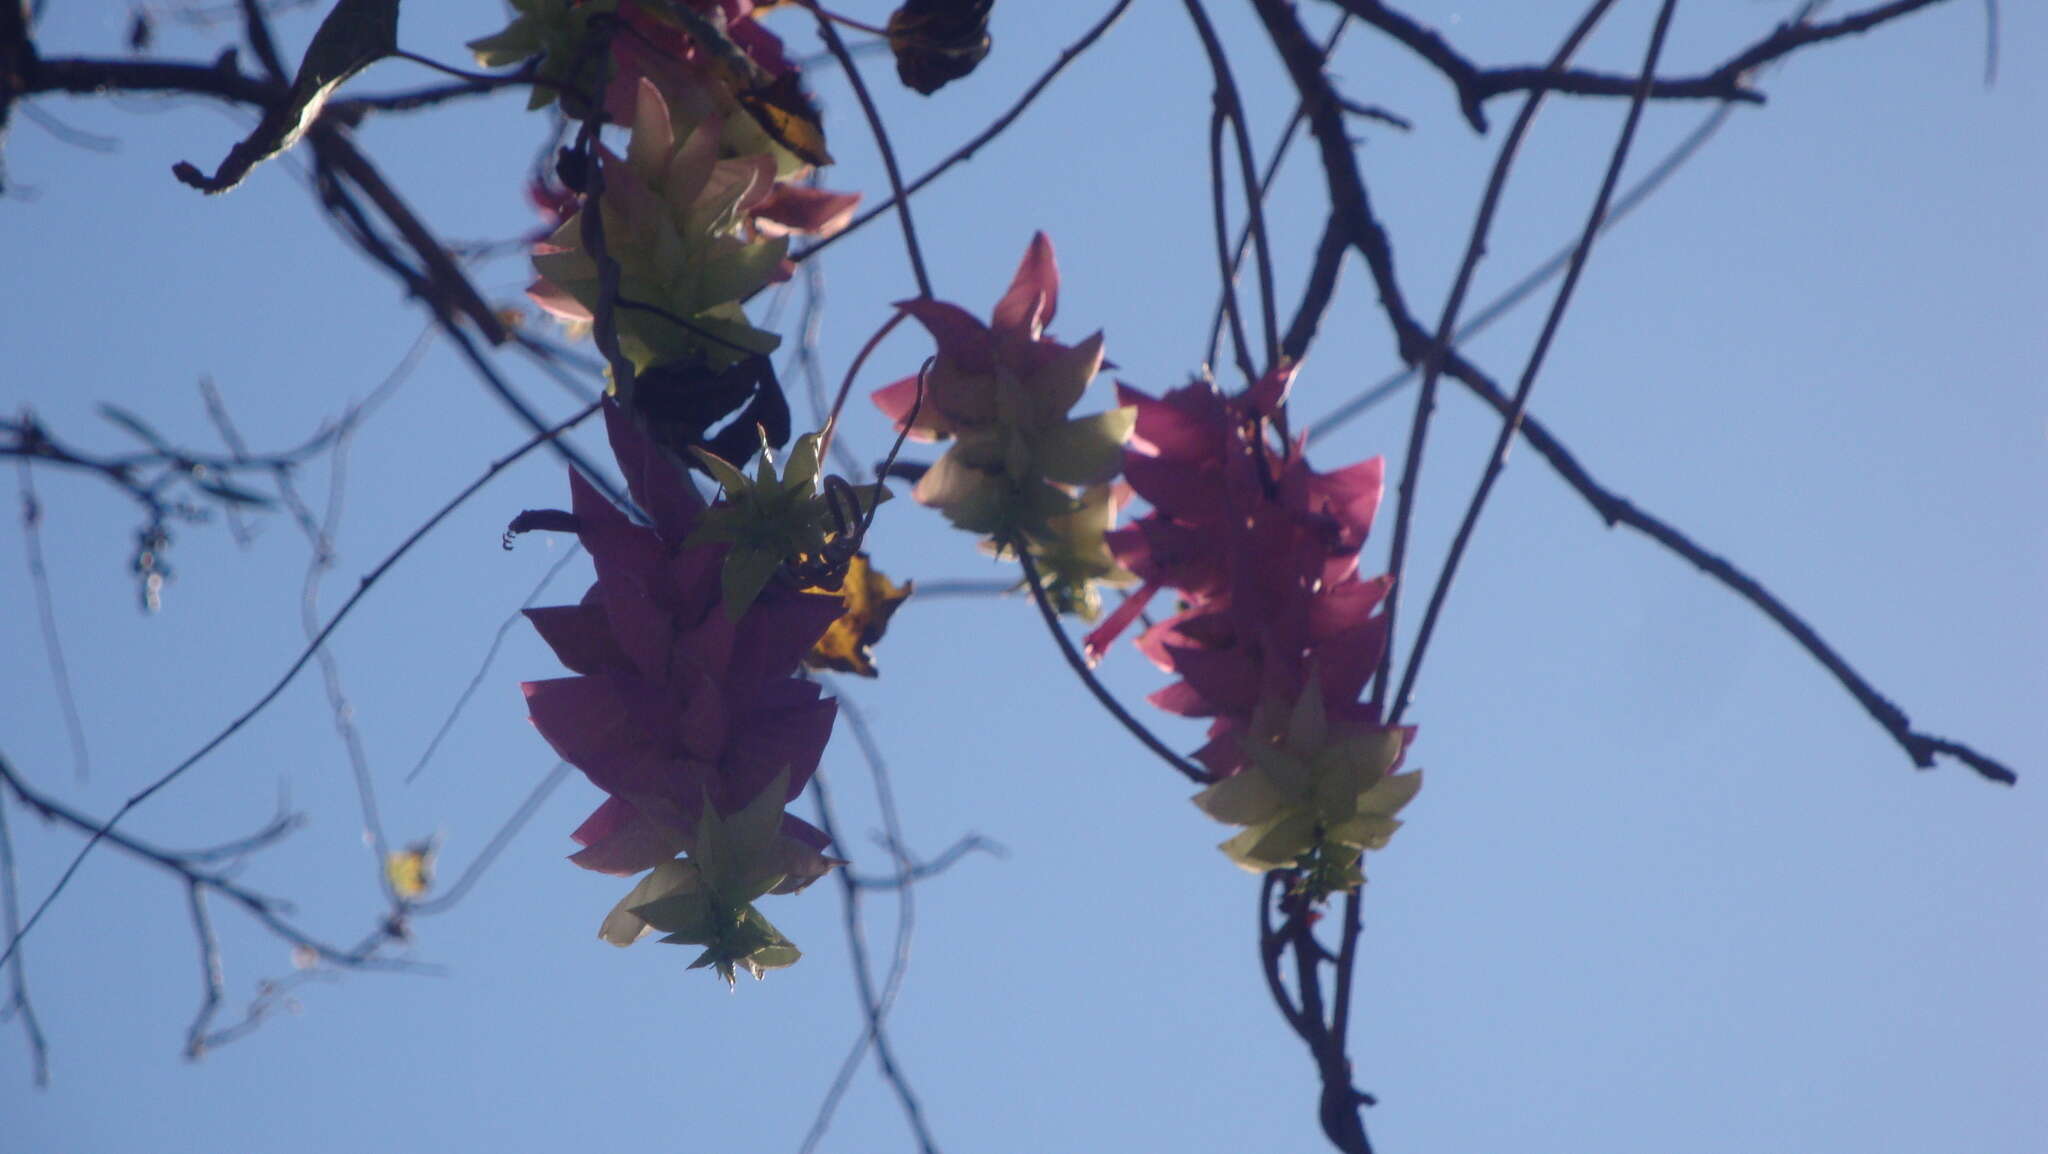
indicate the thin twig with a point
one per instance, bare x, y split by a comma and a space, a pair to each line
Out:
268, 911
46, 613
874, 1003
1280, 148
257, 27
830, 426
369, 581
604, 324
911, 872
454, 294
1497, 461
1432, 358
18, 1003
1220, 221
211, 979
1636, 194
974, 144
833, 44
490, 655
1231, 107
485, 857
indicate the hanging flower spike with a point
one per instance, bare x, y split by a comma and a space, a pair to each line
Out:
1002, 392
692, 720
1315, 795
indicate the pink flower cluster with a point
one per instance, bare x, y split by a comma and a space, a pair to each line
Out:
1263, 552
674, 702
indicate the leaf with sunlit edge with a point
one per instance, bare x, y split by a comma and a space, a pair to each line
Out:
355, 35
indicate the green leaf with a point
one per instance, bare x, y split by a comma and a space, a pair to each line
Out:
1273, 844
746, 572
1057, 385
730, 478
1086, 450
802, 472
624, 925
355, 35
1245, 799
741, 854
518, 41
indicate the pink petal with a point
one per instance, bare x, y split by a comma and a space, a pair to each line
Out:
1102, 636
555, 300
658, 484
1351, 494
1224, 754
1228, 679
586, 722
897, 400
620, 840
629, 567
1034, 292
1346, 660
797, 208
776, 633
1177, 490
581, 637
962, 339
1181, 698
1187, 424
1266, 397
1341, 606
767, 743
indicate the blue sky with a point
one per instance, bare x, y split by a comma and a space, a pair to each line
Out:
1667, 888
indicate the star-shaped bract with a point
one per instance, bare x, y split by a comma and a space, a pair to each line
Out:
1315, 794
770, 521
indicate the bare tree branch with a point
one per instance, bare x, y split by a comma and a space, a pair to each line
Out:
369, 581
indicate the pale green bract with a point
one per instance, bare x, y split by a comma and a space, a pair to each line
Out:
769, 520
1314, 794
707, 899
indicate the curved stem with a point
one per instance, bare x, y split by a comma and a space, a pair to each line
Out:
830, 35
846, 386
1079, 664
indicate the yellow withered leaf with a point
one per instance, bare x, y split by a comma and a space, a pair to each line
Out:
785, 112
870, 599
410, 870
